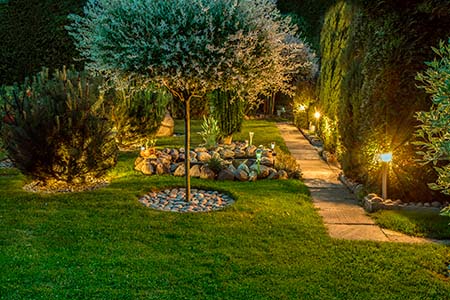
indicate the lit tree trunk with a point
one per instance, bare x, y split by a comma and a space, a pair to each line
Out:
187, 146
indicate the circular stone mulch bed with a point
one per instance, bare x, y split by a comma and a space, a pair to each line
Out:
64, 187
174, 200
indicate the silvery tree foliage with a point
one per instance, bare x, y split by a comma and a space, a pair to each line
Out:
190, 46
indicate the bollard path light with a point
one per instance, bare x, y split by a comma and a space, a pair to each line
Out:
385, 158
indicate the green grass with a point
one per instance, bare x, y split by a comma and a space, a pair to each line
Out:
271, 244
416, 223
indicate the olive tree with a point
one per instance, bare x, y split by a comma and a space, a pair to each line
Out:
189, 46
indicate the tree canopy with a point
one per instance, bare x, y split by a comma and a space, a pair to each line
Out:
190, 46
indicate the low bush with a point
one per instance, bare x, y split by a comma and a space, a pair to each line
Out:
55, 129
137, 113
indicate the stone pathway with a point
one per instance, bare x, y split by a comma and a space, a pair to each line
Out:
339, 208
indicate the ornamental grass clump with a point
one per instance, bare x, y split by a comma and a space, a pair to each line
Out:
54, 128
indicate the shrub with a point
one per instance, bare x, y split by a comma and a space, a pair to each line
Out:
228, 110
285, 161
216, 164
433, 132
211, 131
137, 113
54, 128
371, 52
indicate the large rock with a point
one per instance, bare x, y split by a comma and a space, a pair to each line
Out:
238, 153
180, 171
251, 150
138, 161
282, 174
203, 156
273, 174
147, 168
161, 169
225, 174
201, 149
195, 171
174, 154
243, 166
139, 164
227, 153
266, 161
166, 128
263, 171
241, 175
252, 176
207, 173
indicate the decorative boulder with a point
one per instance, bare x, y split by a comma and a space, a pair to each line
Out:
273, 174
207, 173
225, 174
251, 150
203, 156
147, 168
226, 153
239, 153
174, 154
266, 161
241, 175
243, 167
180, 171
161, 169
282, 174
167, 126
252, 176
264, 171
195, 171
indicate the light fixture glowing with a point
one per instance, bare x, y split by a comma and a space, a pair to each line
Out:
317, 115
386, 157
301, 107
251, 134
272, 145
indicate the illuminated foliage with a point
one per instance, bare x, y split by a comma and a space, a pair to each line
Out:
189, 46
434, 131
371, 52
54, 127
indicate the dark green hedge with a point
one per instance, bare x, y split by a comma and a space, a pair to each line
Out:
309, 15
32, 35
371, 53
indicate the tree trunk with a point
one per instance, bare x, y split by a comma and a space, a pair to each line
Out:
187, 146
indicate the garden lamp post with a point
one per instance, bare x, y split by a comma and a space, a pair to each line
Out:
317, 117
251, 134
274, 154
385, 158
258, 158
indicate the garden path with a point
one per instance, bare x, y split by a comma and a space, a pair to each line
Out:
339, 208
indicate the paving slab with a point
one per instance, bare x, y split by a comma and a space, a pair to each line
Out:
340, 210
357, 232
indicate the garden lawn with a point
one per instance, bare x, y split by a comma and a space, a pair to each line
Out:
416, 223
271, 244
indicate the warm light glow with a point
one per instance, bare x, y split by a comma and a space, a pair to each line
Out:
301, 107
386, 157
317, 115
